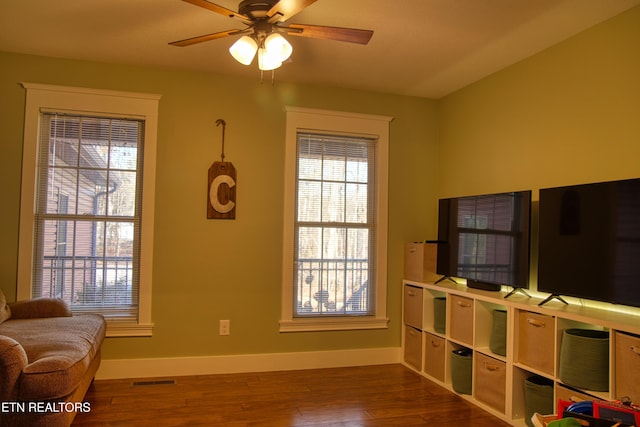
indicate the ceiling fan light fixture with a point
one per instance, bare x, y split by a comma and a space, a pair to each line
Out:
244, 50
267, 61
265, 21
276, 45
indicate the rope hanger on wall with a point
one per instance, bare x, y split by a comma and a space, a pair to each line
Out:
221, 193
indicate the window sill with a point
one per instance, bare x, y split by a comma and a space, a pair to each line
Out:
333, 324
129, 329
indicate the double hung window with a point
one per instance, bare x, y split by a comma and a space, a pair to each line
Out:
334, 260
88, 212
86, 229
335, 225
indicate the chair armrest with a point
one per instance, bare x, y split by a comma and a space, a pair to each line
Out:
40, 307
13, 359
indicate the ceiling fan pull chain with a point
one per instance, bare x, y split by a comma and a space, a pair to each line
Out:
273, 77
224, 124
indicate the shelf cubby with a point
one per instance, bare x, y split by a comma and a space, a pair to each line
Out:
460, 319
486, 327
535, 331
490, 381
435, 356
429, 310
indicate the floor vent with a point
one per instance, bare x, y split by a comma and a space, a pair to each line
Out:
156, 382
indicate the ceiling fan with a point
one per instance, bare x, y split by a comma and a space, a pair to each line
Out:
264, 20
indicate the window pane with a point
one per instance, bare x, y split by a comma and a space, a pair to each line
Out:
309, 165
357, 169
120, 197
333, 195
357, 291
63, 152
334, 168
61, 183
309, 198
124, 145
64, 134
92, 186
309, 243
357, 203
358, 243
333, 243
94, 154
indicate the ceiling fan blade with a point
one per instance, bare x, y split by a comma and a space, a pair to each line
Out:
205, 38
285, 9
219, 9
351, 35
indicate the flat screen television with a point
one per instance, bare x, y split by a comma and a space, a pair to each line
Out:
589, 241
485, 239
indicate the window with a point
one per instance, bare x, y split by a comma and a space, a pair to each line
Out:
334, 268
86, 230
334, 226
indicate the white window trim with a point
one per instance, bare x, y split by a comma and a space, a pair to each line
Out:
42, 97
299, 118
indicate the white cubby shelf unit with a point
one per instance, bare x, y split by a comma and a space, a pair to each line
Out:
533, 341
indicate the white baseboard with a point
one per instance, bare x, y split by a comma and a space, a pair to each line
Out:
207, 365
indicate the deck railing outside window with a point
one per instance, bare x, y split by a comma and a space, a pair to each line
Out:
89, 281
332, 287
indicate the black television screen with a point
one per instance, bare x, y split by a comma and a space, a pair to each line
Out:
485, 239
589, 241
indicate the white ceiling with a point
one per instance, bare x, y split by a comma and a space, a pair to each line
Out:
425, 48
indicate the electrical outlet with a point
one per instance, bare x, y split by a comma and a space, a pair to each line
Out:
225, 327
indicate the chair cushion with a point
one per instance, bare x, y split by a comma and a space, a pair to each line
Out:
40, 307
59, 351
5, 310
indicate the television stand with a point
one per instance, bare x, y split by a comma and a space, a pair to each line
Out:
515, 290
552, 297
445, 278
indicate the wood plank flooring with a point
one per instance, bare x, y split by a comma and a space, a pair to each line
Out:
372, 396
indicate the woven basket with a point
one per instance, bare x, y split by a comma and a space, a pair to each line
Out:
584, 359
498, 341
538, 397
440, 314
461, 371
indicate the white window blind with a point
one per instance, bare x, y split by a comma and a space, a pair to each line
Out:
88, 213
335, 225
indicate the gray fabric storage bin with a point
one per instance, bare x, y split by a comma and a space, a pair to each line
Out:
498, 341
440, 314
462, 370
584, 359
538, 397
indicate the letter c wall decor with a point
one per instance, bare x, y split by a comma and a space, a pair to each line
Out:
221, 192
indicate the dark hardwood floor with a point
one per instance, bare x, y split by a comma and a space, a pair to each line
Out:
384, 395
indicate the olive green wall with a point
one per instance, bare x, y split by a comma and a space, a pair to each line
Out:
207, 270
568, 115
